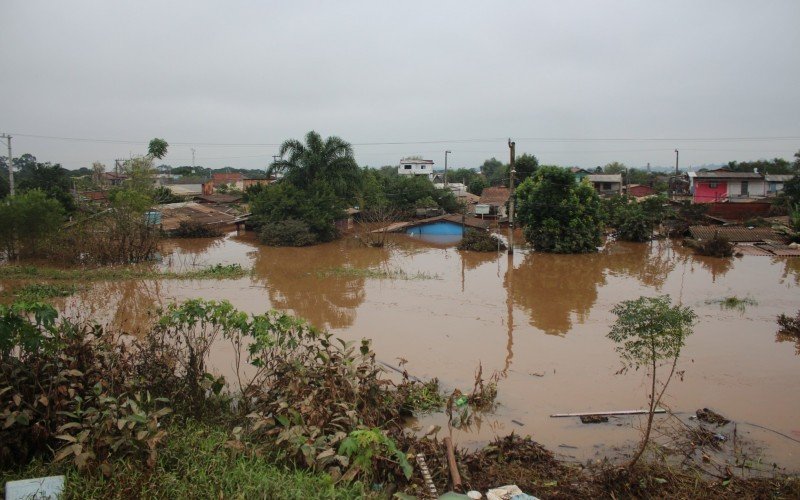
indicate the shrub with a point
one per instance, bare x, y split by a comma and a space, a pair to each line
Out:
26, 221
716, 246
288, 233
648, 331
193, 229
71, 389
790, 325
633, 224
481, 241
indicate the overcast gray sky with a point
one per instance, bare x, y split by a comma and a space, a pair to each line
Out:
257, 73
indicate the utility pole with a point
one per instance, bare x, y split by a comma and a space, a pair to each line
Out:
10, 161
511, 147
676, 163
445, 167
193, 171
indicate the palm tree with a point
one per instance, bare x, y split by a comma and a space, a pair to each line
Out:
328, 161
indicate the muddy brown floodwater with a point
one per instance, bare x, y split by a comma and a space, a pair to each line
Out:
538, 320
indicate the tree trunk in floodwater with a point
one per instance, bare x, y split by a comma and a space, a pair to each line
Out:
650, 414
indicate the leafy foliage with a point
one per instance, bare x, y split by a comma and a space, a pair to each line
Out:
365, 445
329, 162
193, 229
157, 148
287, 233
72, 389
559, 215
650, 330
316, 207
26, 221
481, 241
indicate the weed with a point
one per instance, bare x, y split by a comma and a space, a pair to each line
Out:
734, 302
372, 273
790, 325
197, 460
37, 292
217, 271
716, 246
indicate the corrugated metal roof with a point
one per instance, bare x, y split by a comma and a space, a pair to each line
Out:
735, 234
472, 222
727, 175
778, 177
495, 195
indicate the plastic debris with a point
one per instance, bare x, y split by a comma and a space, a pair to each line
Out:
461, 401
41, 488
509, 492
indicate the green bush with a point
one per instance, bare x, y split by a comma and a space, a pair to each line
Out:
480, 241
26, 221
190, 229
288, 233
316, 207
558, 215
633, 224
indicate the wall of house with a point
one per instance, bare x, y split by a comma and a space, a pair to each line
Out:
704, 193
416, 169
437, 228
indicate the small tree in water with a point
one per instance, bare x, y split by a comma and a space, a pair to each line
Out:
650, 331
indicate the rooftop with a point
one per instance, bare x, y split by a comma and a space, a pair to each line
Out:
471, 222
724, 174
605, 178
736, 234
495, 195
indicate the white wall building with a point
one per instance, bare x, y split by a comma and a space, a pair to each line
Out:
415, 167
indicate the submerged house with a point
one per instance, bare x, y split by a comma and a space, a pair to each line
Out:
445, 229
494, 202
724, 185
579, 173
606, 184
774, 183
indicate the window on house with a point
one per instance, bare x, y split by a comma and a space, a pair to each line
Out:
407, 167
712, 185
745, 188
606, 186
422, 167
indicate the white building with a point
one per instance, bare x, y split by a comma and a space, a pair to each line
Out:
415, 167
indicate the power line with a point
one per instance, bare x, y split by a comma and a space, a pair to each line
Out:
438, 141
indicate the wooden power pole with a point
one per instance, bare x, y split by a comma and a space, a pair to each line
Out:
511, 147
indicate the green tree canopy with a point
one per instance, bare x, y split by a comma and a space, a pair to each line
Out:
614, 167
26, 220
525, 167
329, 161
157, 148
495, 172
558, 215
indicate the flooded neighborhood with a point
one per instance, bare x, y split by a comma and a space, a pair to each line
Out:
448, 250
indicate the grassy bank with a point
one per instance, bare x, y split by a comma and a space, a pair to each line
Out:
196, 461
316, 417
217, 271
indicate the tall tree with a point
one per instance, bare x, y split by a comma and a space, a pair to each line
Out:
525, 166
329, 161
559, 215
157, 148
